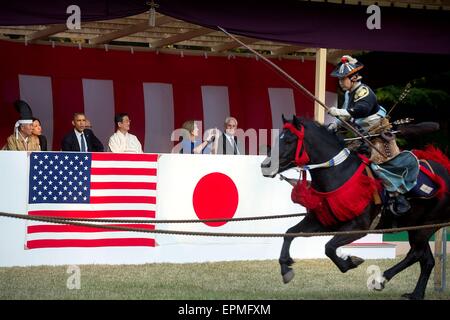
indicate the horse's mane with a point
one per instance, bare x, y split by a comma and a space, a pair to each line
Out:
321, 130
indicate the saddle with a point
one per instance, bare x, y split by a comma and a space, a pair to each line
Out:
426, 187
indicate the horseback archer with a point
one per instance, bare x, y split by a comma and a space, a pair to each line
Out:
397, 170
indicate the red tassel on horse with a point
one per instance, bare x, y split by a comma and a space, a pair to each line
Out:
342, 204
304, 195
434, 154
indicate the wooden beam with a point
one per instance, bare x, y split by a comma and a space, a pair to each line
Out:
321, 77
334, 56
233, 44
440, 253
180, 37
288, 49
129, 30
45, 33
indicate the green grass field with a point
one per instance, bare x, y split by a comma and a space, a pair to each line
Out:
315, 279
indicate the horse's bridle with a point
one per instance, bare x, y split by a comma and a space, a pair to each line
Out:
301, 157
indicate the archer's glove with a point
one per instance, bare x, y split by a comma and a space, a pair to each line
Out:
332, 127
341, 113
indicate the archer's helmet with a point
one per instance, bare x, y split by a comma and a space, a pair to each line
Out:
347, 67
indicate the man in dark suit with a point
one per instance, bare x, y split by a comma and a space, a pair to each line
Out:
81, 139
228, 143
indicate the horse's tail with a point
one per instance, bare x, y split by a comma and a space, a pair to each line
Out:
432, 153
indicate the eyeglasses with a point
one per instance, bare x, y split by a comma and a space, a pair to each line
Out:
231, 126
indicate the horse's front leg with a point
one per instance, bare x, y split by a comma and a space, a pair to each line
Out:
308, 224
348, 262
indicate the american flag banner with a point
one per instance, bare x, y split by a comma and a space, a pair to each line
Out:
91, 185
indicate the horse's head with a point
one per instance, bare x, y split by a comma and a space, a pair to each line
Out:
291, 149
298, 144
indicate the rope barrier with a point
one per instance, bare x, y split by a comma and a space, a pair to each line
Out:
224, 234
155, 221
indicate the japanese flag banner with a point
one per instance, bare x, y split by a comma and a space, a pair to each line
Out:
220, 186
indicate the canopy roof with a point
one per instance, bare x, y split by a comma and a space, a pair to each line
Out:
288, 28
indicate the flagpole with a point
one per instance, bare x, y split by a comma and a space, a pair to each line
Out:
300, 87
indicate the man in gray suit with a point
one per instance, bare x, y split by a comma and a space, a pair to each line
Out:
228, 142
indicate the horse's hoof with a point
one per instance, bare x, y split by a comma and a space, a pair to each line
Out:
411, 296
356, 261
288, 276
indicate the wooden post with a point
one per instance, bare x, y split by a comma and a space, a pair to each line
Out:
444, 259
321, 76
440, 252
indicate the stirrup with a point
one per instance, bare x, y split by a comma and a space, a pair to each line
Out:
399, 206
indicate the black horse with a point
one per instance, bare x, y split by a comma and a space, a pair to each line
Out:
321, 145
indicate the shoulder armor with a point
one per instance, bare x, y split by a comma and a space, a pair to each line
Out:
360, 93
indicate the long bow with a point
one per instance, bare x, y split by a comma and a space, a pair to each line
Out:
301, 88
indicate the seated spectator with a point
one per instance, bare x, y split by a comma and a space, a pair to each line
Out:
37, 132
22, 139
122, 140
80, 138
192, 143
227, 142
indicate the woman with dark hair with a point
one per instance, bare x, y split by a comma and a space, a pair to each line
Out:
37, 131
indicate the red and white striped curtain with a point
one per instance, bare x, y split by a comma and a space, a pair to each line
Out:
159, 91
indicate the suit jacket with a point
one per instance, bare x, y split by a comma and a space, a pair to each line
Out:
224, 146
70, 142
43, 142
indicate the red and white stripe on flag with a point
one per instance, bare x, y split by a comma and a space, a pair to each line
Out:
121, 186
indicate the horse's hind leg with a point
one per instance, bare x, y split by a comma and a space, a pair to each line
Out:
426, 266
420, 251
308, 224
412, 257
